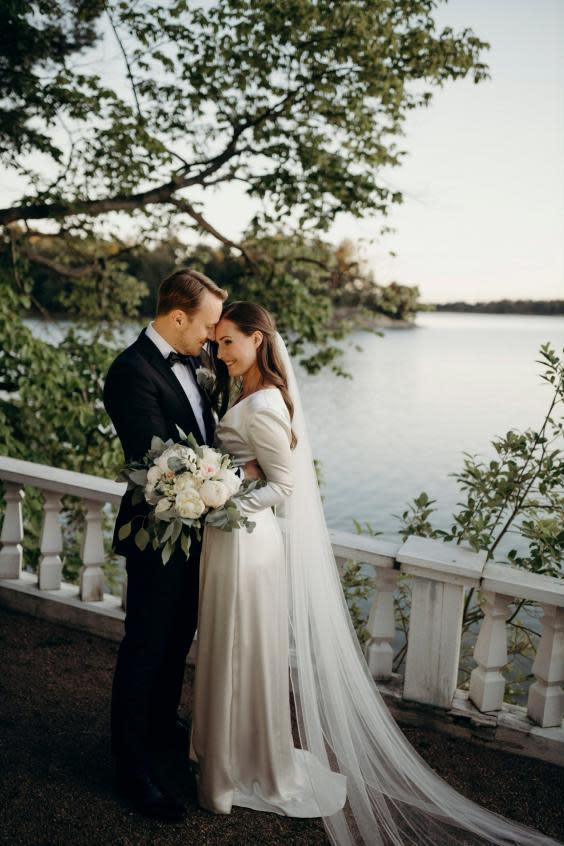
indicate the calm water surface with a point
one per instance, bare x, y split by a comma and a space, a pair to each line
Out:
418, 399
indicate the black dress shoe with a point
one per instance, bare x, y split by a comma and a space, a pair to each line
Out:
149, 798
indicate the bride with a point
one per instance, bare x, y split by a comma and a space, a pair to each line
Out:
271, 610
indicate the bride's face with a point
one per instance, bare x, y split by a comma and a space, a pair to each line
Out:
237, 350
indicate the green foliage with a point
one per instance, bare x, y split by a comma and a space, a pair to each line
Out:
302, 108
51, 412
83, 277
37, 40
303, 105
305, 282
356, 586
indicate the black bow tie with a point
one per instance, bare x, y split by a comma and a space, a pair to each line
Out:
179, 358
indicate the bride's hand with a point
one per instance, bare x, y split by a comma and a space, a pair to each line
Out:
253, 471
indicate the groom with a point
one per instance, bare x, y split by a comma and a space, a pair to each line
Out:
151, 388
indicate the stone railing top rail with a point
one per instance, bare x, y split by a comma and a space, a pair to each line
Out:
418, 556
448, 562
48, 478
515, 582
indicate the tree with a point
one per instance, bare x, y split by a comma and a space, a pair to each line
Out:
302, 103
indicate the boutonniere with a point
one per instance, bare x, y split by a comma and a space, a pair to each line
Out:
206, 379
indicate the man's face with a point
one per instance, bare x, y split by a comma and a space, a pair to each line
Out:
192, 331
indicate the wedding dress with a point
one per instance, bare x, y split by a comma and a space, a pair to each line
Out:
272, 600
241, 725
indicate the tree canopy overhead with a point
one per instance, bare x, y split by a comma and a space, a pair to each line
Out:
302, 102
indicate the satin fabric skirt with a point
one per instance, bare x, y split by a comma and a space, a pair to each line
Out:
241, 726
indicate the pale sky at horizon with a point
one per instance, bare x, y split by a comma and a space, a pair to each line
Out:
483, 216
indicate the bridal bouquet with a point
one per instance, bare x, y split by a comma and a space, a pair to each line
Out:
185, 485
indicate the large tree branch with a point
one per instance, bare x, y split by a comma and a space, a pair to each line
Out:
184, 206
75, 272
60, 269
119, 202
159, 195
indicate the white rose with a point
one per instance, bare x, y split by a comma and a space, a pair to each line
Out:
214, 494
188, 504
162, 505
184, 482
210, 462
230, 479
154, 474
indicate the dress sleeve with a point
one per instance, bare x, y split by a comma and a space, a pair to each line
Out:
269, 435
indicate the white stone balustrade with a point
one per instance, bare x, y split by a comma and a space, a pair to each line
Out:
546, 697
381, 627
51, 545
439, 573
55, 483
11, 554
487, 684
92, 554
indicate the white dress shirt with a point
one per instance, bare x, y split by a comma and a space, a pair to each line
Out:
183, 374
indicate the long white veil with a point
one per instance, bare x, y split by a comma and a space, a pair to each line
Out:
393, 796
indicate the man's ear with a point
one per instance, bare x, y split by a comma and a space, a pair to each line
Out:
180, 317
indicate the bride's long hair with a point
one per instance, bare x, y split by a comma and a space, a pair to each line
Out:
251, 317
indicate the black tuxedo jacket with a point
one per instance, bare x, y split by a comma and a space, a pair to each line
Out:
143, 398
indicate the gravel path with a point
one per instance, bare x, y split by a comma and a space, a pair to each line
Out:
55, 771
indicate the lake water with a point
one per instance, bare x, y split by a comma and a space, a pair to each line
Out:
418, 399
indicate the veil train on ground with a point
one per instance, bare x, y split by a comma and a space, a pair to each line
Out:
393, 797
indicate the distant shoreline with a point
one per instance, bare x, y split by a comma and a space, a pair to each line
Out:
540, 307
363, 319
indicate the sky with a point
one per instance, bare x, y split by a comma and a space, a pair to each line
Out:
483, 181
483, 184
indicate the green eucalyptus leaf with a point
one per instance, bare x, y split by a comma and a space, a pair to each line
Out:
142, 538
124, 531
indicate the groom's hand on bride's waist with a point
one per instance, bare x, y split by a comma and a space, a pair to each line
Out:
252, 470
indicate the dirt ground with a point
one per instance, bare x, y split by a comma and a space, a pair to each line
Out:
56, 786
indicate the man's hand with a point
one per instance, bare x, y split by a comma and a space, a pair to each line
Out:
252, 470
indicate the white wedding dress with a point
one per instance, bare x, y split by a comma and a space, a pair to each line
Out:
241, 727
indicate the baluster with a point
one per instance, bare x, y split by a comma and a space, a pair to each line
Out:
440, 573
433, 649
381, 624
487, 684
50, 564
92, 554
11, 554
546, 698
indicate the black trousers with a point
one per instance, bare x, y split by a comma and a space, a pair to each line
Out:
160, 623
